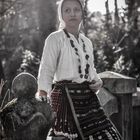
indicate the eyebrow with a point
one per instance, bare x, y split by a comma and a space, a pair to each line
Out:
70, 7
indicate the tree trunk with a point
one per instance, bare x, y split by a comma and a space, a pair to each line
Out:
47, 17
116, 13
108, 16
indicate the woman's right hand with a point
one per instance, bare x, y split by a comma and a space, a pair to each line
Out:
96, 85
41, 95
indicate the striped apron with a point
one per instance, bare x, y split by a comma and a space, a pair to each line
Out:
79, 115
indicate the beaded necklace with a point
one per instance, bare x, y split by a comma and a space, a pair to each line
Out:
78, 56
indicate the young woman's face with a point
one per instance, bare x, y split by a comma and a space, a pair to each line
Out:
72, 13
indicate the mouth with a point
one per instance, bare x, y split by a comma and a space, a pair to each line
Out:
73, 19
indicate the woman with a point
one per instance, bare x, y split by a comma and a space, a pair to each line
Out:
67, 61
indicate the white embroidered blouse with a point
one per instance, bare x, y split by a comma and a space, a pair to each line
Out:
59, 61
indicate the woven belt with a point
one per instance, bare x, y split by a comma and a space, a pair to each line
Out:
73, 85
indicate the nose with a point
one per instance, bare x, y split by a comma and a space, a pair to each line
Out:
72, 13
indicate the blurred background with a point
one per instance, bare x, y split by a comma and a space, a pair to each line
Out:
112, 25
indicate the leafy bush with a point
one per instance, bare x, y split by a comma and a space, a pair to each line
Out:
30, 63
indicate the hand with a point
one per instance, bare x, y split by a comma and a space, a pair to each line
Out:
41, 95
96, 85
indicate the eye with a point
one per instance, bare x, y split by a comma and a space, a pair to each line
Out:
77, 9
67, 10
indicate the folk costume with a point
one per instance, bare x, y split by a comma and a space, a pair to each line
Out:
79, 115
68, 64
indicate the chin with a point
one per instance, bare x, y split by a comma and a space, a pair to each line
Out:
73, 25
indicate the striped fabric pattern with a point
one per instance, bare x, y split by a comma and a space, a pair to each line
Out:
95, 125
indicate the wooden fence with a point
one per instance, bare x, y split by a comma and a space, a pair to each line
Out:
121, 102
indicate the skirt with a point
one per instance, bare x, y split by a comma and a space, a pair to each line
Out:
79, 115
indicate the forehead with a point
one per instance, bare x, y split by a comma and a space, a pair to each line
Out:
67, 3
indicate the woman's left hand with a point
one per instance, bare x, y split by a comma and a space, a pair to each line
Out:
96, 85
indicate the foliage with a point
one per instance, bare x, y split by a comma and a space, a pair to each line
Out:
24, 26
115, 36
116, 41
15, 21
102, 43
22, 60
30, 63
21, 18
13, 64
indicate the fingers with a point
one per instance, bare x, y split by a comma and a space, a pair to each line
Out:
42, 96
43, 99
96, 85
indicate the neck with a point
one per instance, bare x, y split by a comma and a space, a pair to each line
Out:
73, 31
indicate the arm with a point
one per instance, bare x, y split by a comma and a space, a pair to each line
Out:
96, 83
48, 66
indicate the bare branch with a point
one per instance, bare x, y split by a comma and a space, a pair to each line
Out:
1, 85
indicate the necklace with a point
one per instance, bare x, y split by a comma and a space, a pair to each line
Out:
78, 56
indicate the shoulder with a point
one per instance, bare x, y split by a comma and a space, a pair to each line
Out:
53, 41
86, 39
56, 35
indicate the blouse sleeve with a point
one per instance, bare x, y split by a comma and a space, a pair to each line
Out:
96, 76
48, 64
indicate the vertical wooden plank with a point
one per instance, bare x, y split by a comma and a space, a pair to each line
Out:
136, 122
123, 87
127, 116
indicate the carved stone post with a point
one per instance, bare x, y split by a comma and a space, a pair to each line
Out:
25, 118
